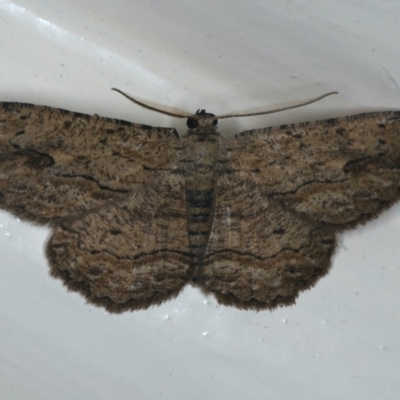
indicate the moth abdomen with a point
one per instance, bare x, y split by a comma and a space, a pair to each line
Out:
200, 200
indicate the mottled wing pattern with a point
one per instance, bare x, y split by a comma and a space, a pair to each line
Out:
260, 253
290, 189
118, 214
117, 195
49, 156
129, 254
340, 172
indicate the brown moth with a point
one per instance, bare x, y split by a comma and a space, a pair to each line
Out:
138, 212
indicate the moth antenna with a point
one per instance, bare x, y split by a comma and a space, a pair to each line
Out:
161, 108
273, 108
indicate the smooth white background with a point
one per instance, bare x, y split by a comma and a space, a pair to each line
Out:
341, 339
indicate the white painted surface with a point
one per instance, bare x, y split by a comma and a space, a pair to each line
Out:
341, 339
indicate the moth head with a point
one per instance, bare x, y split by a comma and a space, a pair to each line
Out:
201, 119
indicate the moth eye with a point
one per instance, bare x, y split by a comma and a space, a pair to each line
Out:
192, 123
215, 122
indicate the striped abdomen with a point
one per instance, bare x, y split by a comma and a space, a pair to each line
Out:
200, 201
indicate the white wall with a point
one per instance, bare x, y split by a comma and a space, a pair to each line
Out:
341, 339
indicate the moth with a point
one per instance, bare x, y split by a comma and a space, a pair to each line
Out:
138, 212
